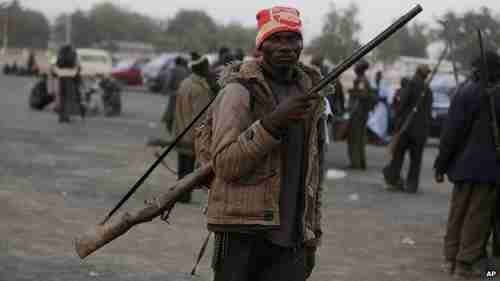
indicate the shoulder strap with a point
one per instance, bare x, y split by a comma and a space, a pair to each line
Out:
421, 97
251, 90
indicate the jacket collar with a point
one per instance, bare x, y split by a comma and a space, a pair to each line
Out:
252, 70
200, 80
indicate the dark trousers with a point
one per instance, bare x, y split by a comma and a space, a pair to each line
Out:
393, 170
69, 98
356, 141
64, 96
494, 230
185, 165
495, 226
469, 221
245, 257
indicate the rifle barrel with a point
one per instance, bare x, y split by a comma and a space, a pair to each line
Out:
361, 52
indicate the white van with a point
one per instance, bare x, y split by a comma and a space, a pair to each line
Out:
94, 62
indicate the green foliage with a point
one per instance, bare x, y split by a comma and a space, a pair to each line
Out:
188, 30
408, 41
339, 36
26, 28
191, 30
461, 31
106, 21
236, 35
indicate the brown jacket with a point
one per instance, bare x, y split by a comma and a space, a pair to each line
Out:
192, 96
247, 159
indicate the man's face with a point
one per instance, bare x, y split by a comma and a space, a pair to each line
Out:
282, 49
424, 74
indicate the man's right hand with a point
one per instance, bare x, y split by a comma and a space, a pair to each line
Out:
291, 109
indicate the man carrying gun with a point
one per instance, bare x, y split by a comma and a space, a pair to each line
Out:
362, 100
265, 200
467, 156
416, 100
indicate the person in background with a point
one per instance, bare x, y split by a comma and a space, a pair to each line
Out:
361, 101
416, 96
193, 95
111, 97
224, 58
14, 68
31, 64
468, 158
319, 62
66, 72
396, 102
239, 54
174, 79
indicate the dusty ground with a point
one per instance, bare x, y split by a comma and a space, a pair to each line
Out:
57, 180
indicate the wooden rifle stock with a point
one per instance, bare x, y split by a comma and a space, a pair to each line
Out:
107, 231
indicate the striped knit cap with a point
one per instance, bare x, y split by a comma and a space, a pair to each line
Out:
277, 19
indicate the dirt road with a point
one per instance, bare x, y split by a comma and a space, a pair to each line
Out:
56, 180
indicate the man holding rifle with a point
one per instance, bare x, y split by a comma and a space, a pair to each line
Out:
193, 94
263, 162
362, 100
416, 97
467, 156
264, 204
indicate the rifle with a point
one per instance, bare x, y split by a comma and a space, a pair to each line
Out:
105, 232
484, 77
409, 119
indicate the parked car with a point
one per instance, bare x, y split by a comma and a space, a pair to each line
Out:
94, 62
154, 73
129, 72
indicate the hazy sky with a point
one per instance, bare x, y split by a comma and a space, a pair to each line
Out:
374, 15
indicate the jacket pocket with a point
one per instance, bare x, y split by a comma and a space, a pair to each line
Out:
251, 200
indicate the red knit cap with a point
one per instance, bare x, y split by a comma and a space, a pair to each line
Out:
277, 19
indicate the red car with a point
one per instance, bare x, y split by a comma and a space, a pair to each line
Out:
129, 71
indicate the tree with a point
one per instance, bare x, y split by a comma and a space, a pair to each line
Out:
236, 35
191, 30
26, 28
408, 41
107, 22
339, 34
188, 30
414, 41
389, 51
83, 31
461, 32
115, 23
